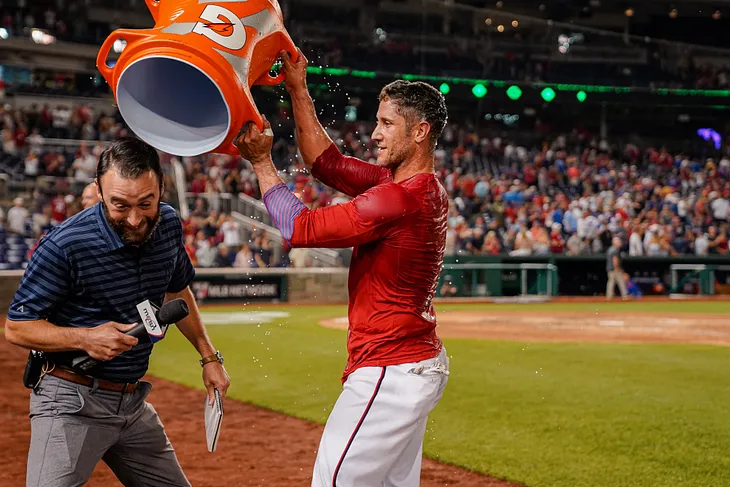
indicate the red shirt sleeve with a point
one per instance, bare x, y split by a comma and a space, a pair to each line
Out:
366, 218
347, 174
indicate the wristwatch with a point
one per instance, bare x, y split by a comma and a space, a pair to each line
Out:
216, 357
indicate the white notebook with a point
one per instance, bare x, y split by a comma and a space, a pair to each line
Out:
213, 419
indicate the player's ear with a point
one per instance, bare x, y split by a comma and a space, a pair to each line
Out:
421, 129
98, 188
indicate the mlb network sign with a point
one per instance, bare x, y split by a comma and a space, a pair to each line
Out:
234, 288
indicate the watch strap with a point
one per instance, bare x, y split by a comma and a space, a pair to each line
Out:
216, 357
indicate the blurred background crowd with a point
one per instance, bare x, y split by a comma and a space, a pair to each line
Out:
524, 179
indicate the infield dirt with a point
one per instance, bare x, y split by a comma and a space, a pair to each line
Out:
257, 447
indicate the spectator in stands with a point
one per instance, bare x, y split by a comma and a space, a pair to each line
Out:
17, 217
491, 244
717, 242
59, 207
84, 165
190, 248
224, 257
244, 258
35, 142
636, 245
557, 242
31, 165
89, 197
231, 231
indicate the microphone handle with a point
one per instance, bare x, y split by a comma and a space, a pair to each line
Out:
86, 364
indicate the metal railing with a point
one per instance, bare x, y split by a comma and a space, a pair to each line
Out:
252, 212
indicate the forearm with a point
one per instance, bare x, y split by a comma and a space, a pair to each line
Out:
192, 326
267, 175
312, 138
44, 336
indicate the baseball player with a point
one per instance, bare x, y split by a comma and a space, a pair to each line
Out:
80, 294
397, 367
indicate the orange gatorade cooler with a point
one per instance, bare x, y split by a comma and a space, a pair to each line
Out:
184, 86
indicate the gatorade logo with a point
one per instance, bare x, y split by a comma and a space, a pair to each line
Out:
222, 26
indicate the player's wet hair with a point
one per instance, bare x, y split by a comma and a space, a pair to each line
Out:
131, 157
418, 102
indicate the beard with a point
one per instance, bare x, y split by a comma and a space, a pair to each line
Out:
128, 234
397, 155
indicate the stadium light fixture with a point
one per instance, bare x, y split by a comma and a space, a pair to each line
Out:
548, 94
581, 96
479, 90
569, 87
514, 92
445, 88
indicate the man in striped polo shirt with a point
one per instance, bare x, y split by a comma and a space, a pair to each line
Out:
80, 294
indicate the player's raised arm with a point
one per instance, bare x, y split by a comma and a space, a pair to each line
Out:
311, 136
361, 220
346, 174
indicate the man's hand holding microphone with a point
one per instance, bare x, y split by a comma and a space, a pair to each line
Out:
104, 342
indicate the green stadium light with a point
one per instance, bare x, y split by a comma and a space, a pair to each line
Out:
445, 88
479, 90
581, 96
548, 94
514, 92
620, 90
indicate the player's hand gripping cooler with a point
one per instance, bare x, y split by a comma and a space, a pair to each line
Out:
184, 86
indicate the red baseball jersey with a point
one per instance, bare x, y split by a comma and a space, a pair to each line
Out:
398, 231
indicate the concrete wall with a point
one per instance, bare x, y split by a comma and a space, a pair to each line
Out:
318, 287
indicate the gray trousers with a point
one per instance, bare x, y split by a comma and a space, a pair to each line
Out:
74, 426
616, 277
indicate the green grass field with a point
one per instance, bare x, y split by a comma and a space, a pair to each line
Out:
541, 414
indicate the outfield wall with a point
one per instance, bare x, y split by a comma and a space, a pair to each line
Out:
575, 276
586, 275
221, 286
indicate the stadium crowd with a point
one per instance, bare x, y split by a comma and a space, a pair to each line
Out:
566, 194
68, 20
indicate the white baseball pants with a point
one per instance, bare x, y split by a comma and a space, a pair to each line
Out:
374, 435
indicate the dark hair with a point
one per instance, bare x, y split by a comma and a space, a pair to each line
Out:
417, 102
131, 157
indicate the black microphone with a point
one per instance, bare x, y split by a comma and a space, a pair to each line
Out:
171, 312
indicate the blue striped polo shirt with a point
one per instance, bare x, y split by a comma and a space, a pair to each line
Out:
82, 275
